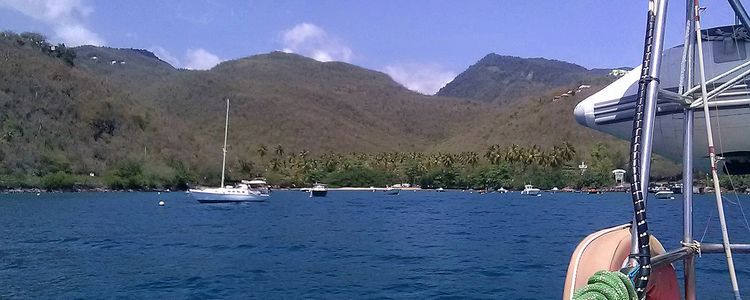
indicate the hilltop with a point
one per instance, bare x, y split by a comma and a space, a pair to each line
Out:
505, 79
133, 68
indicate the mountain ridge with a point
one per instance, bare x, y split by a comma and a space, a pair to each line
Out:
504, 79
174, 115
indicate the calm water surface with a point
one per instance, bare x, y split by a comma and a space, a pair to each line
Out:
347, 245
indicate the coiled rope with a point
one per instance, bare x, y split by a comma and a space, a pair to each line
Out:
605, 285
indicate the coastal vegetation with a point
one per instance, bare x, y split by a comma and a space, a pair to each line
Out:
509, 167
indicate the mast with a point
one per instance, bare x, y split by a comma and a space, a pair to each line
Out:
224, 149
712, 156
686, 81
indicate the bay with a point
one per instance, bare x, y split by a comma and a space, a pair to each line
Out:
347, 245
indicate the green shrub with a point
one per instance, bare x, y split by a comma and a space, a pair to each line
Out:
58, 181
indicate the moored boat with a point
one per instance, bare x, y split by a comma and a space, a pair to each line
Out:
392, 191
318, 190
530, 190
664, 193
240, 192
245, 191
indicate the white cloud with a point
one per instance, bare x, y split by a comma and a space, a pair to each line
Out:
164, 55
194, 59
423, 78
78, 35
200, 59
312, 41
65, 17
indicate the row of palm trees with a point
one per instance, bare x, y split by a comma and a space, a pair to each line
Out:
555, 157
494, 155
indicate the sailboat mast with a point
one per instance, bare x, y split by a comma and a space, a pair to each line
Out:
686, 81
224, 149
712, 156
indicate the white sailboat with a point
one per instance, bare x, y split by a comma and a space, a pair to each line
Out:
245, 191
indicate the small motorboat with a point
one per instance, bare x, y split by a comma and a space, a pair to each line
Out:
664, 193
440, 190
530, 190
392, 191
318, 190
501, 190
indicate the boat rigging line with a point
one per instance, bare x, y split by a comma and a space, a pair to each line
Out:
712, 156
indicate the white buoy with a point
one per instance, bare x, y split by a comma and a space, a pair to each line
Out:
161, 202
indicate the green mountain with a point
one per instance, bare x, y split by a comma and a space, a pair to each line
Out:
505, 79
97, 109
304, 104
56, 117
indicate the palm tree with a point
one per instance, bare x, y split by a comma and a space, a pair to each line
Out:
303, 154
447, 160
262, 150
276, 164
490, 153
568, 151
514, 153
534, 155
472, 158
494, 154
555, 157
414, 155
330, 163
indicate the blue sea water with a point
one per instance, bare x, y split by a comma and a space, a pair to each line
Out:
452, 245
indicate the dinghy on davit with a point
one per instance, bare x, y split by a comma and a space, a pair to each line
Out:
658, 106
611, 109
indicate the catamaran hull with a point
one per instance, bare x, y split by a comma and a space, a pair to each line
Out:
611, 109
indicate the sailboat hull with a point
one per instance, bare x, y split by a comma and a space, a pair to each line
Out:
213, 197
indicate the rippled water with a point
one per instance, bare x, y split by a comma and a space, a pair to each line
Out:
347, 245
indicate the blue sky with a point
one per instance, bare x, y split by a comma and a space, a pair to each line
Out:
421, 44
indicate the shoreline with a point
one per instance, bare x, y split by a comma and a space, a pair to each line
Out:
84, 190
